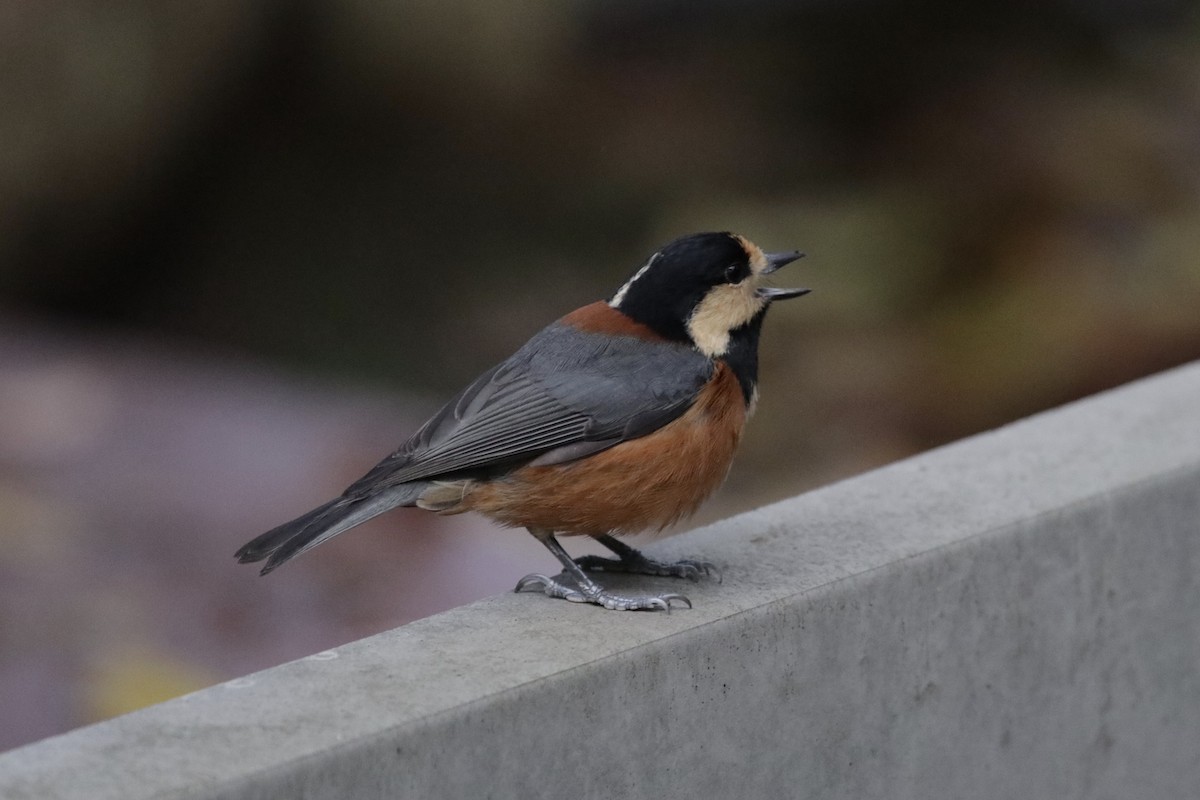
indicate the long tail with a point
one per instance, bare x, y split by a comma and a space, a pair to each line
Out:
322, 523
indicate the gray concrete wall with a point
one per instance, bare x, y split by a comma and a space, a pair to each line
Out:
1016, 615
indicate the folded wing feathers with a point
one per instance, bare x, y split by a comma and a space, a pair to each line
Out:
508, 426
533, 404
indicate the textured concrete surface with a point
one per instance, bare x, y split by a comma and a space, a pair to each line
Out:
1015, 615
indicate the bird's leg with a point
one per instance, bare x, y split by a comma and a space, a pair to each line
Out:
587, 590
630, 560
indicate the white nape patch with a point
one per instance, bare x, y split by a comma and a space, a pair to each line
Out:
624, 290
724, 309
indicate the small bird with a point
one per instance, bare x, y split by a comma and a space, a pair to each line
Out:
620, 417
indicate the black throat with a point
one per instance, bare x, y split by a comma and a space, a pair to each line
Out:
742, 354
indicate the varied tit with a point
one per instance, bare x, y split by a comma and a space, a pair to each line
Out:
620, 417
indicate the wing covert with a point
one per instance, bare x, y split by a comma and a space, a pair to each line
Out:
564, 387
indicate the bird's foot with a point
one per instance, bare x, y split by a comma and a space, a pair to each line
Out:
594, 593
638, 564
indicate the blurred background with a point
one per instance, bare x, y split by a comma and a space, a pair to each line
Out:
246, 247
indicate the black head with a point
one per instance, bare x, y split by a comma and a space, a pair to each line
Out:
703, 287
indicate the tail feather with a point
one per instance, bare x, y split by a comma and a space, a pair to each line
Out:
322, 523
262, 546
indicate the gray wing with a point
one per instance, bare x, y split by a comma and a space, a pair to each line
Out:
564, 394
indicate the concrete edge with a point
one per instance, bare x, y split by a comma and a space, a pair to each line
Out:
443, 669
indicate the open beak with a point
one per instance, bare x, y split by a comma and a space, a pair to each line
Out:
774, 262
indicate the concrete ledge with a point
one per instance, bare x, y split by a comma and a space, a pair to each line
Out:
1017, 614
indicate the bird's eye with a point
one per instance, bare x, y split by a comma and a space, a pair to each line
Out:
733, 273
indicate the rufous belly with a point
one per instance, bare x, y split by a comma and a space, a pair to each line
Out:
642, 484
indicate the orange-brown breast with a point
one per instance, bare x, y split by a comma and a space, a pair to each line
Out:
645, 483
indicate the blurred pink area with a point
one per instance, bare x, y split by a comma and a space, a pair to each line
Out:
129, 474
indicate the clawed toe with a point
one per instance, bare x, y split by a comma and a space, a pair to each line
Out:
577, 586
550, 587
534, 579
670, 598
598, 596
694, 570
662, 602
